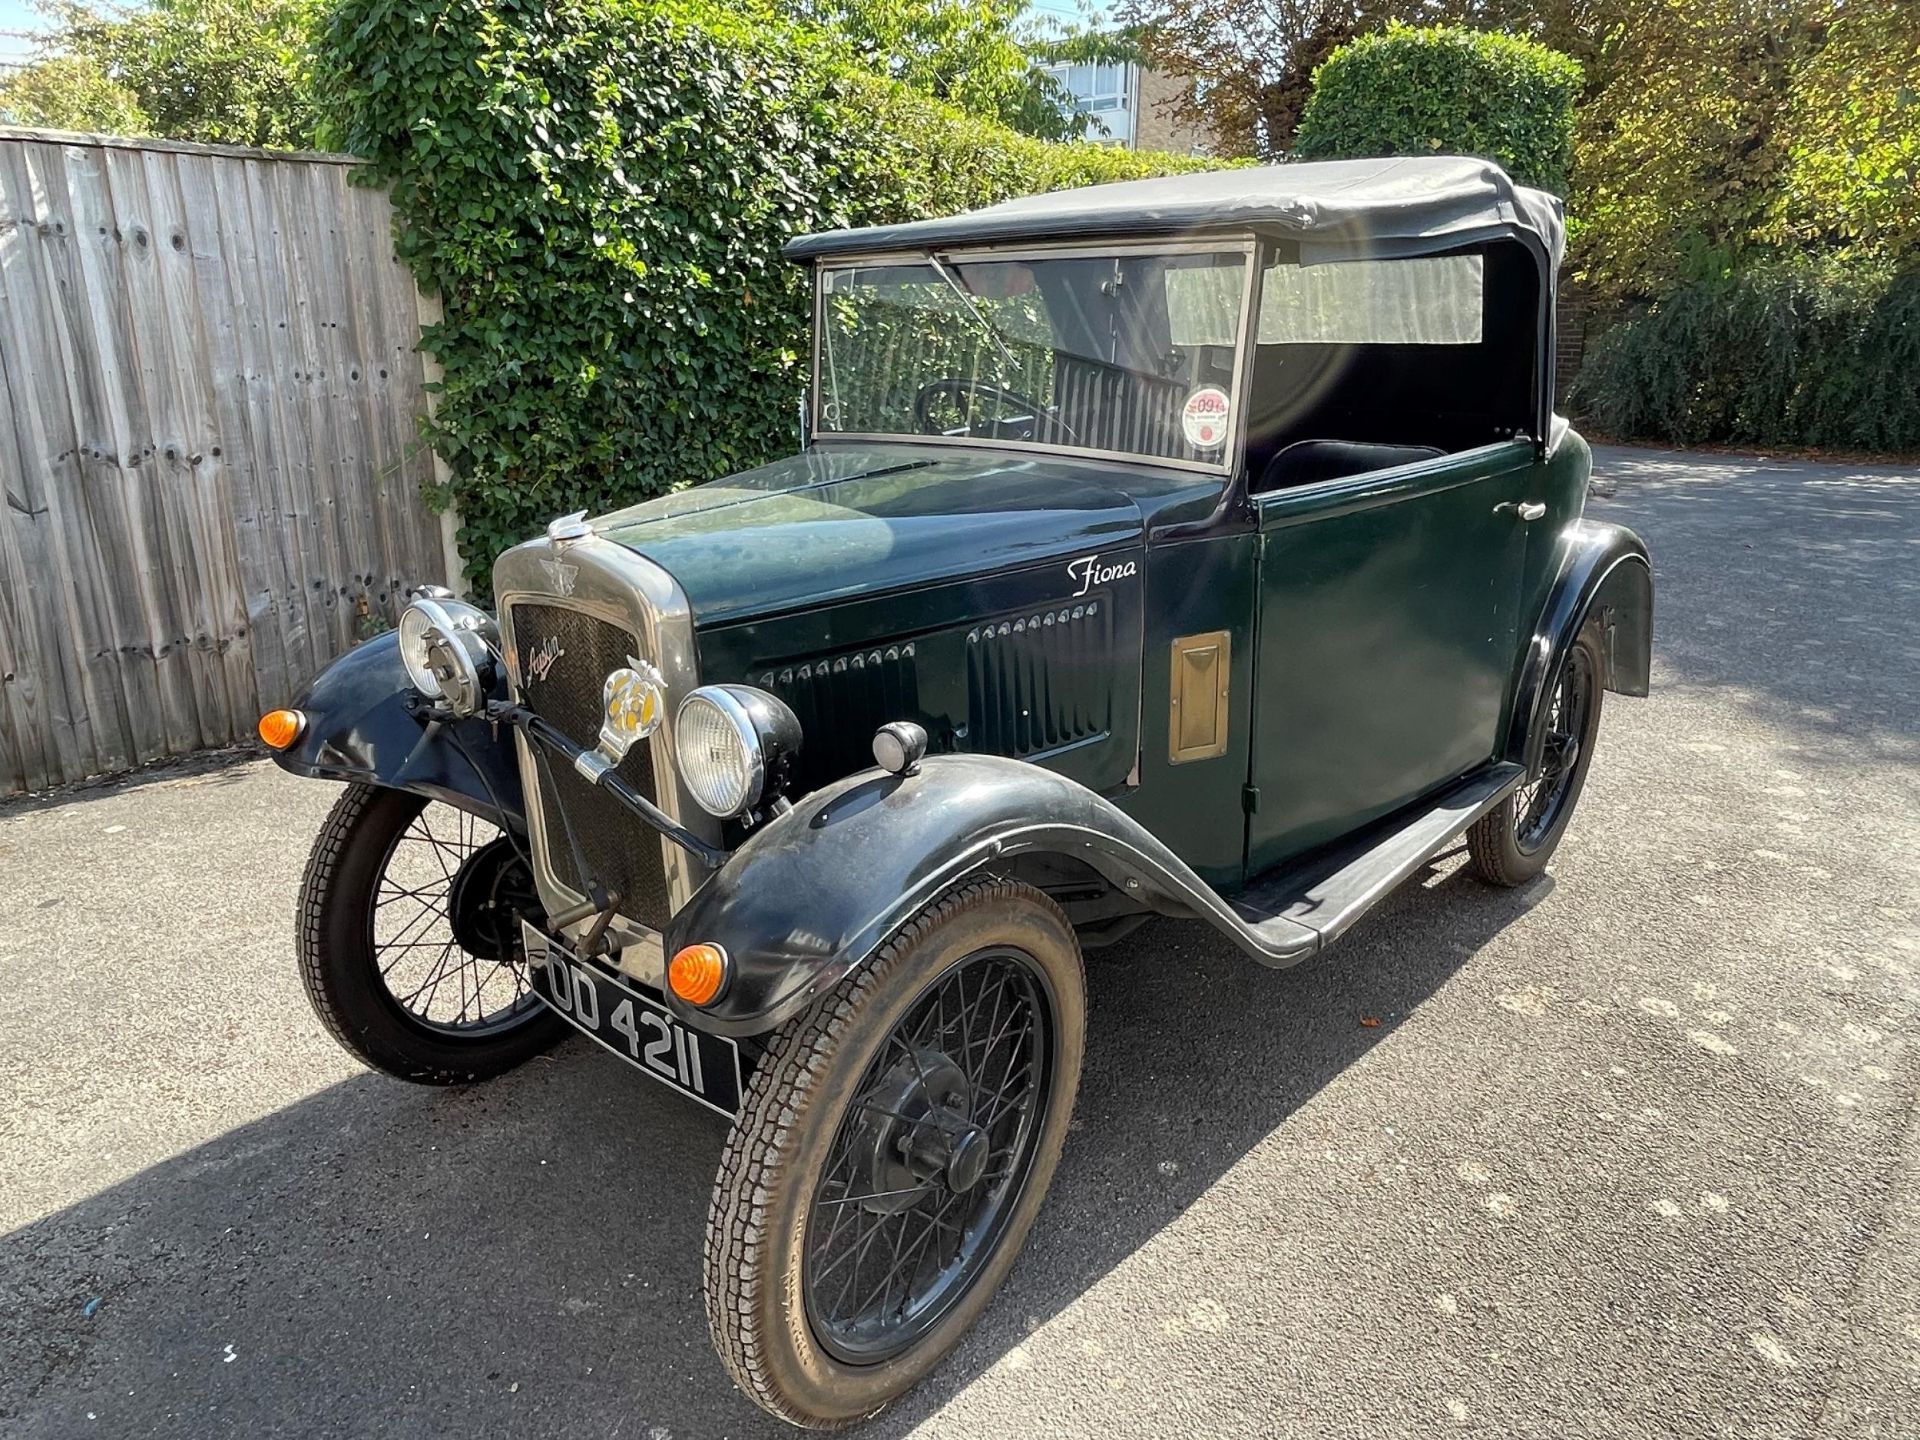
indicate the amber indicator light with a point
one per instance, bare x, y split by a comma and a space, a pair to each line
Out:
280, 728
698, 973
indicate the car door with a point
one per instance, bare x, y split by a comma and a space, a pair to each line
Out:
1387, 616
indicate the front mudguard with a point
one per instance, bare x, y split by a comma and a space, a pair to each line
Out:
1602, 577
813, 893
362, 724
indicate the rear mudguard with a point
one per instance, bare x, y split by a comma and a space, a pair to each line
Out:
362, 725
1603, 578
815, 892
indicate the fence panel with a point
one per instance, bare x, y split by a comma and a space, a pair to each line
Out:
209, 390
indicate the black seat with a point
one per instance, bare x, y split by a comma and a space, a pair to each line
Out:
1307, 461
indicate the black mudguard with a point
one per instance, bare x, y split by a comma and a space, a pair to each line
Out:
815, 892
1603, 578
362, 726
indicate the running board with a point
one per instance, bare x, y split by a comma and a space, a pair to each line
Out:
1330, 891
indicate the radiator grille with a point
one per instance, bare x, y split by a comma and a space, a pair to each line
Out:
563, 657
1040, 681
841, 700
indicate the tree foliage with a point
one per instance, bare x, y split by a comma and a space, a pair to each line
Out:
1254, 59
1402, 91
70, 92
223, 71
1850, 174
235, 70
599, 189
987, 57
1680, 149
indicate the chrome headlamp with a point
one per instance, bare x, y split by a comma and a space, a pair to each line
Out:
448, 649
735, 746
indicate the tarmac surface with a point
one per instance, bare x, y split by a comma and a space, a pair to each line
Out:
1629, 1153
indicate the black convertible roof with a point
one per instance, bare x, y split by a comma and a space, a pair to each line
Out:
1405, 206
1333, 209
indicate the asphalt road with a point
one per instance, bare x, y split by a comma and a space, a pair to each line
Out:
1630, 1153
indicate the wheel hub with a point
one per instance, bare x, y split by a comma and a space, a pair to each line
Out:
491, 890
919, 1132
968, 1162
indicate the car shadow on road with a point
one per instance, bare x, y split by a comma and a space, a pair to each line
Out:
524, 1257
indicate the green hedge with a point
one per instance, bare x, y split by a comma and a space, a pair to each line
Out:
1784, 353
598, 191
1447, 90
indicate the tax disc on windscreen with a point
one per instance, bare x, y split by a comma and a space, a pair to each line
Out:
1203, 419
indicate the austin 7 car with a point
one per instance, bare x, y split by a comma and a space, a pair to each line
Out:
1204, 547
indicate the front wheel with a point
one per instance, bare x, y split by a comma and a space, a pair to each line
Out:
409, 939
891, 1153
1512, 842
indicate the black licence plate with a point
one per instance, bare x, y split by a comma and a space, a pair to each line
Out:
634, 1025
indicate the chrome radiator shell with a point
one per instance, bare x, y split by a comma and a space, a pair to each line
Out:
599, 579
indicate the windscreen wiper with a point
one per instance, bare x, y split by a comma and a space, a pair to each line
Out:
973, 309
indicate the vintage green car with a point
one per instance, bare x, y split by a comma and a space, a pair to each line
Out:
1203, 547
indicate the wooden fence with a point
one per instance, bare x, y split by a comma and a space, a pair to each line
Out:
209, 379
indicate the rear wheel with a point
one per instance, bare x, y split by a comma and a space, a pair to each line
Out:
892, 1151
1512, 842
409, 939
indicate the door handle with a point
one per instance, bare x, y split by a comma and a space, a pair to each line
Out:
1524, 509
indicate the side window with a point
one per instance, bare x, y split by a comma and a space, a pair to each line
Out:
1370, 364
1203, 305
1436, 300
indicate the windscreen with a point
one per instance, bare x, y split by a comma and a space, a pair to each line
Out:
1131, 353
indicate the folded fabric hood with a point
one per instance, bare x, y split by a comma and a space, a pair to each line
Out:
1407, 205
1333, 210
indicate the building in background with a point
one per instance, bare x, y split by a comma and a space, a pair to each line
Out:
1129, 105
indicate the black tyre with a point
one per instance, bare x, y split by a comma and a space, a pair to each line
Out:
1512, 842
409, 939
893, 1148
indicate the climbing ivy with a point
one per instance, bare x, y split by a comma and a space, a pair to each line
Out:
598, 191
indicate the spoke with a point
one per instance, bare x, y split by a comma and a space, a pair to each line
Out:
425, 912
390, 892
876, 1195
407, 938
998, 991
1020, 1104
918, 1069
435, 844
910, 1272
940, 1012
439, 979
404, 946
890, 1271
439, 974
994, 1044
397, 960
858, 1249
825, 1246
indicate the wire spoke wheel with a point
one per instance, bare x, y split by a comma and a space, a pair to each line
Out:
938, 1136
409, 939
1512, 843
893, 1148
1543, 800
443, 928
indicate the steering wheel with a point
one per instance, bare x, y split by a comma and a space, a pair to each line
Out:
1029, 419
